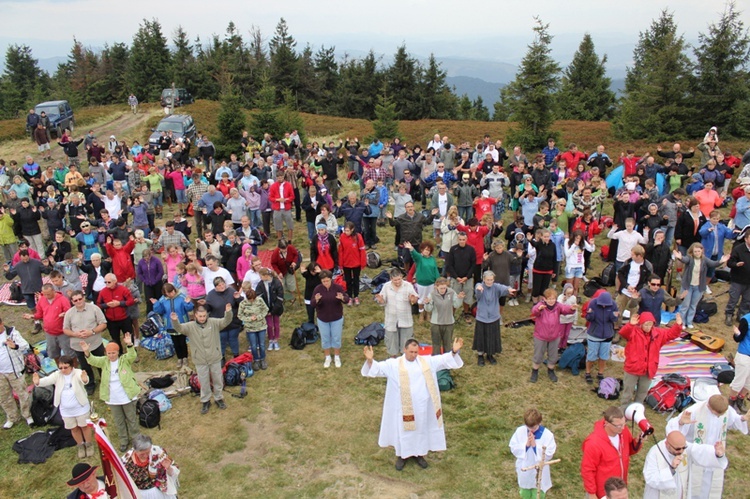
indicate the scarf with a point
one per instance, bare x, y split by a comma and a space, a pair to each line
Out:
407, 404
324, 242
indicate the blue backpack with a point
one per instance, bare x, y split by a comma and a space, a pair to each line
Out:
161, 344
234, 371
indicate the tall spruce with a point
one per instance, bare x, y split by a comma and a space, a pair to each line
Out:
385, 124
479, 111
149, 63
531, 96
657, 103
231, 119
22, 81
403, 78
358, 86
307, 98
438, 102
585, 91
284, 61
326, 72
722, 86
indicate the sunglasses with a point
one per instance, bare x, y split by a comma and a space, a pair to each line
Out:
76, 300
679, 448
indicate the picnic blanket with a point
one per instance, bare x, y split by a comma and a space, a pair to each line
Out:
682, 357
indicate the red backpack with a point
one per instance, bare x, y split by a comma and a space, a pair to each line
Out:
672, 393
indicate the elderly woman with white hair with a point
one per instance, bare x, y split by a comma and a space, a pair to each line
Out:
236, 206
487, 339
152, 470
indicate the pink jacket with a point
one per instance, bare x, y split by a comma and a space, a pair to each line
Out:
547, 325
243, 264
195, 285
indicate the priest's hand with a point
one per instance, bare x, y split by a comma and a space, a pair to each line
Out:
369, 354
720, 450
676, 461
458, 343
687, 418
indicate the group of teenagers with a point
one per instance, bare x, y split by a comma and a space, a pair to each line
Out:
476, 264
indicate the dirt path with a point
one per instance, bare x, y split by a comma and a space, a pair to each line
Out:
125, 126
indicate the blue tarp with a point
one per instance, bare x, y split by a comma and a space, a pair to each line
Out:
614, 179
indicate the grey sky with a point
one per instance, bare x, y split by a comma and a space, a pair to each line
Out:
445, 28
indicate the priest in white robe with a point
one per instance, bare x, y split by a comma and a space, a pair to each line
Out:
526, 444
668, 469
707, 423
412, 420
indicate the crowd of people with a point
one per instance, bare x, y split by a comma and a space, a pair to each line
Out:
201, 269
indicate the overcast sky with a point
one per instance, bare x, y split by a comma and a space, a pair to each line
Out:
448, 29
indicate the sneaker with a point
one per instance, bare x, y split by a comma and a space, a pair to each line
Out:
221, 404
534, 376
400, 463
137, 342
337, 361
552, 375
690, 326
480, 360
81, 451
30, 421
263, 364
739, 406
728, 320
589, 379
256, 365
327, 362
708, 291
276, 345
422, 462
206, 406
8, 425
528, 298
351, 303
491, 360
356, 301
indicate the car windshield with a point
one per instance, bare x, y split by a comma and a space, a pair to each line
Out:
166, 126
50, 110
166, 92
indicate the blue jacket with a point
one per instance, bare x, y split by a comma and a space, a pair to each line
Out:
448, 178
742, 216
708, 237
207, 200
601, 317
374, 198
550, 155
652, 302
165, 306
375, 149
529, 209
743, 339
354, 213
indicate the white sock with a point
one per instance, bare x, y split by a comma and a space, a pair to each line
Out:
338, 357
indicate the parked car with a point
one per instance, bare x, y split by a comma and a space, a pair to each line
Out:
182, 97
60, 115
181, 125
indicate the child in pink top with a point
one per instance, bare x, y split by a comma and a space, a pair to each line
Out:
171, 259
194, 283
245, 262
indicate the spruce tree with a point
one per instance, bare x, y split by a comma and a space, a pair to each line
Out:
326, 72
585, 91
112, 84
231, 120
479, 110
284, 61
403, 78
531, 95
385, 124
265, 118
464, 108
438, 102
20, 81
183, 71
657, 103
722, 90
307, 98
150, 60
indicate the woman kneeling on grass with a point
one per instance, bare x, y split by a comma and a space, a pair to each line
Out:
547, 332
328, 299
252, 312
70, 397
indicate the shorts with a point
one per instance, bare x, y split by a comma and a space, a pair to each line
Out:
575, 272
424, 292
57, 345
181, 197
43, 147
467, 287
598, 350
282, 217
75, 422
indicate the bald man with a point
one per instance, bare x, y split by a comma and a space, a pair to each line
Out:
715, 417
668, 470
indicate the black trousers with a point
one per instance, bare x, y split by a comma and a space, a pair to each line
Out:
267, 222
116, 328
369, 230
297, 206
151, 291
310, 313
180, 345
351, 277
83, 364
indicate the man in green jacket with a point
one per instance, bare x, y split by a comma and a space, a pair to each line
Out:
122, 399
205, 347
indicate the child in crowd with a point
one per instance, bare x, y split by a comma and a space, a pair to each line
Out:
548, 331
252, 312
601, 316
193, 282
71, 271
180, 271
567, 321
526, 445
426, 273
271, 291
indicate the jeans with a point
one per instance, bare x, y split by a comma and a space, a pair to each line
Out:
230, 337
687, 309
257, 342
330, 333
740, 292
711, 270
465, 212
310, 230
255, 219
618, 265
30, 301
669, 236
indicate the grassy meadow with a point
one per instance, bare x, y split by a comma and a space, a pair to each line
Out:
305, 431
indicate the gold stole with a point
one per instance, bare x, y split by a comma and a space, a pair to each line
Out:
407, 404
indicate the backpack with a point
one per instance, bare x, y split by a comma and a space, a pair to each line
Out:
708, 307
608, 275
161, 344
31, 363
724, 373
161, 398
161, 381
195, 385
15, 292
233, 373
445, 380
311, 331
151, 326
604, 252
572, 357
609, 388
372, 334
672, 393
298, 341
592, 286
43, 410
149, 414
373, 259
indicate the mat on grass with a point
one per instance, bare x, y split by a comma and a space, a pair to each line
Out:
682, 357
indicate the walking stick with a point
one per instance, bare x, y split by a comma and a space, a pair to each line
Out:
539, 469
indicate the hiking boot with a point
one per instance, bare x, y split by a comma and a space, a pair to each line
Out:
400, 463
89, 449
534, 376
491, 360
256, 365
81, 451
263, 364
206, 407
552, 376
37, 328
221, 404
729, 320
589, 379
480, 360
422, 462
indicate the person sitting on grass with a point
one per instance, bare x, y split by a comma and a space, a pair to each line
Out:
547, 332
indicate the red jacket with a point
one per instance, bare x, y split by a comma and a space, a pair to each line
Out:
642, 350
281, 265
352, 252
120, 294
589, 232
475, 238
572, 159
601, 460
122, 262
50, 313
281, 190
630, 165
